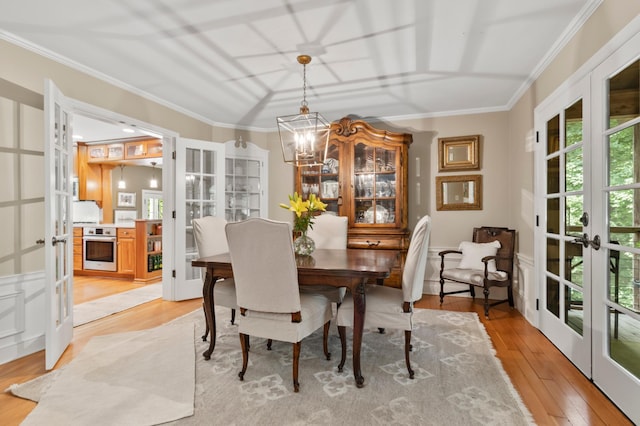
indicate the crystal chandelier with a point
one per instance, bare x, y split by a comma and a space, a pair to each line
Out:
304, 137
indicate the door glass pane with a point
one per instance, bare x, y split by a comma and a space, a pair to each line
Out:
574, 208
573, 170
553, 135
573, 124
574, 265
623, 217
624, 285
553, 296
574, 315
553, 216
624, 341
553, 175
623, 148
624, 93
553, 256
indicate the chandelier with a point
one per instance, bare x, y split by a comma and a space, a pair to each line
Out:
304, 137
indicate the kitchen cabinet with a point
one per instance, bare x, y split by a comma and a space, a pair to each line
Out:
151, 148
126, 251
89, 176
148, 250
365, 178
105, 152
77, 249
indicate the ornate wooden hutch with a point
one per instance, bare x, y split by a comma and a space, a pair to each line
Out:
365, 178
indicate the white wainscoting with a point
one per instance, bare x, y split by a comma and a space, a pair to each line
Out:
524, 291
22, 315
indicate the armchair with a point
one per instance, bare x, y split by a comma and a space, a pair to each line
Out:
266, 276
486, 262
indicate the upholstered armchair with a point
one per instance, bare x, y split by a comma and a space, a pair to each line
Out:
487, 261
389, 307
270, 302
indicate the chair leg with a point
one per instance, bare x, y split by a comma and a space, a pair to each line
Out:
233, 316
472, 290
269, 343
325, 340
206, 331
441, 291
342, 331
510, 296
244, 344
296, 362
486, 302
407, 349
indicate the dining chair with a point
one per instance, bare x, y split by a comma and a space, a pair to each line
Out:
211, 239
266, 276
390, 307
487, 262
329, 232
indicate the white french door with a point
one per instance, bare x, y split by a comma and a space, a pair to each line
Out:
588, 233
616, 191
58, 159
563, 235
199, 183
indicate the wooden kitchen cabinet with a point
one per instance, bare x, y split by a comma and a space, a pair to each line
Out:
77, 249
365, 178
126, 251
151, 148
148, 250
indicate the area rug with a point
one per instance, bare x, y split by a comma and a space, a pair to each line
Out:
458, 380
105, 306
135, 378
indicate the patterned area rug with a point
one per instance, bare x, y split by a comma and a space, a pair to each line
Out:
105, 306
458, 379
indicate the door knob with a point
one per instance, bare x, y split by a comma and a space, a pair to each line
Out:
40, 241
55, 240
584, 240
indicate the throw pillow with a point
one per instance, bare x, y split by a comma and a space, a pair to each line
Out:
472, 254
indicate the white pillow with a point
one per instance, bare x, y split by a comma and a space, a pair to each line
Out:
472, 254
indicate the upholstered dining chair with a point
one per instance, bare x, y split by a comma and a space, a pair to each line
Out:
211, 239
389, 307
487, 261
329, 232
271, 305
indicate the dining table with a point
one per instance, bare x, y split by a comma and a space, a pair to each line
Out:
350, 268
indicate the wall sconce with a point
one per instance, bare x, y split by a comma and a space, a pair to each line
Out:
121, 183
153, 183
304, 137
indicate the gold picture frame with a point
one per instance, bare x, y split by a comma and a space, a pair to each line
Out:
459, 153
461, 192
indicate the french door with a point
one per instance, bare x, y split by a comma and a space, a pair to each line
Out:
200, 186
58, 243
588, 233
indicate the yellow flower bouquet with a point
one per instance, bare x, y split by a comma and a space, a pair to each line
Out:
304, 210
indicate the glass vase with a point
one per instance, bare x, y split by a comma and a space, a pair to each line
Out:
304, 245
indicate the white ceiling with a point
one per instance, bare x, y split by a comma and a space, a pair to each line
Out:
233, 62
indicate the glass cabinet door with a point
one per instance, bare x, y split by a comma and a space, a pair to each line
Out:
245, 182
323, 181
375, 184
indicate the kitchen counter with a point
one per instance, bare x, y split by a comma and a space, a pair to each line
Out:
105, 225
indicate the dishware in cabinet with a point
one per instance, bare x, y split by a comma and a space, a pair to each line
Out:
245, 181
364, 178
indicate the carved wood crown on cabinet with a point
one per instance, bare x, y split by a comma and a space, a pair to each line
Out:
365, 178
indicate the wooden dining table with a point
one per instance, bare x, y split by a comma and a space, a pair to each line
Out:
350, 268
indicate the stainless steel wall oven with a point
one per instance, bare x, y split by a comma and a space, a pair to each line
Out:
99, 249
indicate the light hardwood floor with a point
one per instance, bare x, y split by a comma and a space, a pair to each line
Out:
555, 391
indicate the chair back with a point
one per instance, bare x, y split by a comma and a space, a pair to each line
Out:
264, 265
210, 236
329, 231
507, 239
416, 262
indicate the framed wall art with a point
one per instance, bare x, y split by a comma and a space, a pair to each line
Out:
459, 153
126, 199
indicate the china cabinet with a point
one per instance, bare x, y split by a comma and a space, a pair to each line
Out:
245, 190
148, 242
365, 178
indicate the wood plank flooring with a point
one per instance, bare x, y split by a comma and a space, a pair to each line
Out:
554, 390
